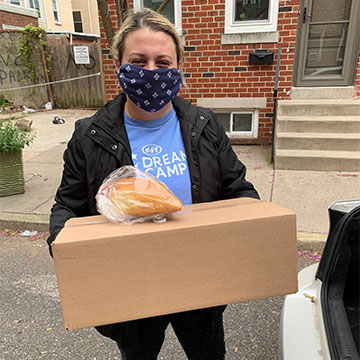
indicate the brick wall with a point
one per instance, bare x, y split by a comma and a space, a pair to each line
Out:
10, 18
214, 70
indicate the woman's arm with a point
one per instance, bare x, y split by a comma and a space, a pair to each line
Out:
71, 197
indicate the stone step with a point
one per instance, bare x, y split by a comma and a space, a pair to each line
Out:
317, 160
318, 141
314, 124
339, 92
319, 107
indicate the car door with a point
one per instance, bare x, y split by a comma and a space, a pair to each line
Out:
339, 271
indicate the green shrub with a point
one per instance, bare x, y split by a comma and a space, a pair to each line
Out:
12, 139
3, 102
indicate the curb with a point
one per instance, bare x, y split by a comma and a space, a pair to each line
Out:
18, 221
311, 241
35, 222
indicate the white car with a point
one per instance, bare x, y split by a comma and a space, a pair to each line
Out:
321, 321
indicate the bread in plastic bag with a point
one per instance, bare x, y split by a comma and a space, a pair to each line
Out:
130, 195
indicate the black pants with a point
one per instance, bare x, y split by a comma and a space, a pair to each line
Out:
200, 333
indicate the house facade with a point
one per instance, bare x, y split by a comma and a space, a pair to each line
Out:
14, 16
76, 16
240, 53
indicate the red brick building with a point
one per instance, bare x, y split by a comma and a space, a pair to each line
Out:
14, 16
231, 56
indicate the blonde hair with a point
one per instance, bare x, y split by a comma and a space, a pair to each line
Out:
145, 18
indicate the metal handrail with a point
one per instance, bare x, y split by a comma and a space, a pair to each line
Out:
275, 102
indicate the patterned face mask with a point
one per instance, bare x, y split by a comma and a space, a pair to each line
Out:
151, 90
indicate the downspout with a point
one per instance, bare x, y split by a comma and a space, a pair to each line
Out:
275, 103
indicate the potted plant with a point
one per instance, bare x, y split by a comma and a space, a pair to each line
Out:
12, 141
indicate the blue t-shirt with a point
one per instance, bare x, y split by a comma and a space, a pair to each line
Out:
157, 147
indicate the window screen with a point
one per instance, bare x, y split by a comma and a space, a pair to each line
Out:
56, 11
34, 4
224, 120
78, 26
251, 10
169, 11
242, 122
236, 122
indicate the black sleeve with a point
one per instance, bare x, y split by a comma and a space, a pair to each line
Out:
71, 197
232, 170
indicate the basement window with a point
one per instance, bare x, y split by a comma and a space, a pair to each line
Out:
15, 2
244, 123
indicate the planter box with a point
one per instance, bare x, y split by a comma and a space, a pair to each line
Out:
11, 174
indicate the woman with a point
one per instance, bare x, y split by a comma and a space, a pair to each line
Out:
183, 145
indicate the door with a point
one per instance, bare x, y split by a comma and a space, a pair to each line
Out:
339, 272
328, 45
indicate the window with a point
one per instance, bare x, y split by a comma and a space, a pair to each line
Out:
172, 10
15, 2
78, 26
251, 16
34, 4
243, 123
56, 11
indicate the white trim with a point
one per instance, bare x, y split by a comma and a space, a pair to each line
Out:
236, 106
138, 4
65, 32
81, 18
11, 27
232, 103
254, 123
57, 10
41, 10
250, 38
243, 134
269, 25
16, 9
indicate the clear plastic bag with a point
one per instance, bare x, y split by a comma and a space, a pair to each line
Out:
129, 195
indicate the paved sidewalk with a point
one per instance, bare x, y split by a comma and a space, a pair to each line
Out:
307, 193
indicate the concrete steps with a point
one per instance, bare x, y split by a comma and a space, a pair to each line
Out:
319, 124
318, 107
318, 160
319, 141
318, 135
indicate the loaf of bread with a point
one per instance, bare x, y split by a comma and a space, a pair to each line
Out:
140, 196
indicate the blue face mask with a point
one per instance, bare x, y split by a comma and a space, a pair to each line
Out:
151, 90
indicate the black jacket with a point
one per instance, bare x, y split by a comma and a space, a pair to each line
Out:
100, 145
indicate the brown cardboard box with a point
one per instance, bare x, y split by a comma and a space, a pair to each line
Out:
209, 254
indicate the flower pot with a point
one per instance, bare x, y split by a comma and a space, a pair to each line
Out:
11, 174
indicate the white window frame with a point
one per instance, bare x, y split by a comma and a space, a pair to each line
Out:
253, 26
254, 123
82, 24
56, 10
32, 2
139, 4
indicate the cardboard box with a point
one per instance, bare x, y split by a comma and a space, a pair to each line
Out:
209, 254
